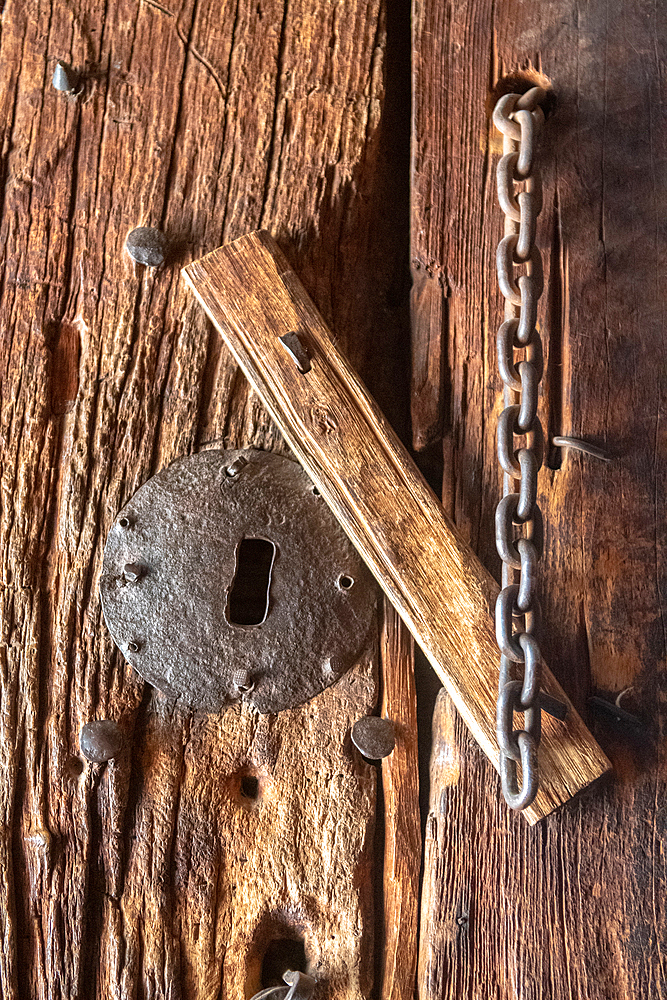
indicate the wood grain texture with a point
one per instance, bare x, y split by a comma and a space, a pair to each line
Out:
577, 906
152, 877
403, 837
431, 576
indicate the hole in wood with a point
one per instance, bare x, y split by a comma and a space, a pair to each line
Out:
250, 787
282, 954
73, 768
345, 582
518, 83
248, 601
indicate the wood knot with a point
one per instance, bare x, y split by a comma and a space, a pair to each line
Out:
323, 420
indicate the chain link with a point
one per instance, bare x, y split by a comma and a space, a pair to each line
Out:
520, 363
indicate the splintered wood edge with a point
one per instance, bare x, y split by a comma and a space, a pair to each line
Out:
253, 297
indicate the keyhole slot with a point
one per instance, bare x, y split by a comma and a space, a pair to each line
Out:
248, 601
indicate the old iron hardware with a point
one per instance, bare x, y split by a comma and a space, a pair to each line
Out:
337, 432
299, 987
561, 441
374, 737
297, 352
101, 740
227, 578
519, 118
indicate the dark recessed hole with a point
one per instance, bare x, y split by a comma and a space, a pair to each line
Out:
316, 491
281, 955
124, 522
345, 582
249, 787
248, 602
73, 767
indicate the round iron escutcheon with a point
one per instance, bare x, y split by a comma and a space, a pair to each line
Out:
227, 577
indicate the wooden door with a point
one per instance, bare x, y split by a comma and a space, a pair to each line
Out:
209, 120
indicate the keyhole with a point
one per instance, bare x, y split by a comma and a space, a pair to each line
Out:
248, 602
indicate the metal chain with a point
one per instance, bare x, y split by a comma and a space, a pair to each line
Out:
520, 119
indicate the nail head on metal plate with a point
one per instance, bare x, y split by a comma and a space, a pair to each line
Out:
242, 681
133, 572
236, 466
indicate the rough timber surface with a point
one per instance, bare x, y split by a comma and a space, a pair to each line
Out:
434, 580
154, 876
577, 906
400, 786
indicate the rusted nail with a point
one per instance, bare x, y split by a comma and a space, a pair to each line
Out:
582, 446
242, 681
552, 706
64, 78
374, 737
133, 572
237, 465
296, 351
300, 985
147, 246
101, 740
614, 712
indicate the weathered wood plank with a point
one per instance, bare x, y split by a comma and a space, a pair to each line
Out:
207, 119
433, 579
559, 911
400, 785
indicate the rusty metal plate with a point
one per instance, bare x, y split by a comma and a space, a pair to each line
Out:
227, 577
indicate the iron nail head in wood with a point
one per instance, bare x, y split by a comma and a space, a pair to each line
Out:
101, 740
296, 350
374, 737
147, 246
64, 78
